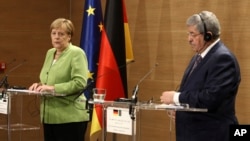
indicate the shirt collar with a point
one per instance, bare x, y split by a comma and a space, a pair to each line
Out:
204, 53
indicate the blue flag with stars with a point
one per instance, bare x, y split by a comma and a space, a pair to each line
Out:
90, 39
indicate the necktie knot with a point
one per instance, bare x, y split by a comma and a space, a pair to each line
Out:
197, 61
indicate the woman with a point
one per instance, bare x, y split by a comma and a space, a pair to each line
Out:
64, 71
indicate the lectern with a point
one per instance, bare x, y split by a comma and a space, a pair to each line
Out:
20, 114
120, 117
117, 118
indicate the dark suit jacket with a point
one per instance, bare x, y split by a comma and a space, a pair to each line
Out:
212, 85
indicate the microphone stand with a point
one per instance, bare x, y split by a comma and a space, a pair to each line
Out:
133, 102
136, 89
5, 85
4, 82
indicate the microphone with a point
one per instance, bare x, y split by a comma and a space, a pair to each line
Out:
4, 65
136, 89
135, 92
4, 81
17, 66
82, 92
11, 62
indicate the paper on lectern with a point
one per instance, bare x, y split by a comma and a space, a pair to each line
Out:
23, 91
168, 106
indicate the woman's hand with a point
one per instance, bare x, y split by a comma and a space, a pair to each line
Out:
38, 87
34, 86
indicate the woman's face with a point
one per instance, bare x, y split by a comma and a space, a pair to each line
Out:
59, 38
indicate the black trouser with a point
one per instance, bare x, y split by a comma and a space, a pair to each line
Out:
65, 132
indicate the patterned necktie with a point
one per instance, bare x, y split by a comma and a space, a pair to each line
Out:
197, 61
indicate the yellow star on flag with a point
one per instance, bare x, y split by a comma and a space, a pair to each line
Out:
91, 11
100, 26
90, 75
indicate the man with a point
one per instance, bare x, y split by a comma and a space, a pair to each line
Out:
211, 82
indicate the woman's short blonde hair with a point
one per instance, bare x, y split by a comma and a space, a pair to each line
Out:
63, 23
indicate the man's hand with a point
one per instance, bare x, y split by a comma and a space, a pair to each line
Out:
167, 97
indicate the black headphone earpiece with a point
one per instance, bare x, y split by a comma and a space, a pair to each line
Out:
207, 36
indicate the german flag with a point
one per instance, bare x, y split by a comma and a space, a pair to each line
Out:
115, 52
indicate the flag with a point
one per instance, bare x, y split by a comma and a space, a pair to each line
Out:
128, 43
90, 43
112, 59
112, 73
91, 38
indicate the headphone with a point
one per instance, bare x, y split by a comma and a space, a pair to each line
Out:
207, 36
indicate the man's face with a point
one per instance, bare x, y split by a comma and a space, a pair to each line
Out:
195, 39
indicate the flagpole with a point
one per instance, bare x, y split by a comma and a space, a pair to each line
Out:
114, 137
103, 123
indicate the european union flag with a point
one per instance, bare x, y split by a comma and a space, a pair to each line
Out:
90, 39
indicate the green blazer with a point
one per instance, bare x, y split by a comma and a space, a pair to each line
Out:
69, 76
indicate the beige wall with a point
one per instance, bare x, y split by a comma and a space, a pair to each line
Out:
158, 36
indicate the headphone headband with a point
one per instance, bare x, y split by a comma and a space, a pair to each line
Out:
207, 36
